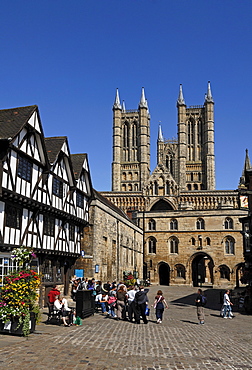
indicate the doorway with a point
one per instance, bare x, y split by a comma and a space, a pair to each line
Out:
202, 270
164, 274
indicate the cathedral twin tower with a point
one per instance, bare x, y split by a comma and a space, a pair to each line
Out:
186, 163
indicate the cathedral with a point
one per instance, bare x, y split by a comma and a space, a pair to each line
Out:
192, 233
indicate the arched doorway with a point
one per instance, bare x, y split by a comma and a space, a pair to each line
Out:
164, 273
202, 269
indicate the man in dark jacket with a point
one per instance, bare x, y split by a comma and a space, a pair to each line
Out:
141, 301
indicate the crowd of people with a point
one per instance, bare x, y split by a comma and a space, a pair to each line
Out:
121, 302
129, 303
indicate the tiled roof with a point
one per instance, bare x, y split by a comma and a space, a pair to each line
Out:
77, 162
53, 146
12, 120
107, 202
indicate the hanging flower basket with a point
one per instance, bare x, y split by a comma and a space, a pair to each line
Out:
18, 296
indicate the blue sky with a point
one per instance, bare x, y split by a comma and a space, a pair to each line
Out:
69, 58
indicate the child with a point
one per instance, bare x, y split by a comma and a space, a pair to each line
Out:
159, 304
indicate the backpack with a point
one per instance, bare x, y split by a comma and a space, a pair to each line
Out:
203, 300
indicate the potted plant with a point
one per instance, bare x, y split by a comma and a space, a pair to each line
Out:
18, 296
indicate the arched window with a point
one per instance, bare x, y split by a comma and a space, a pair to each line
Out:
174, 224
136, 187
193, 241
126, 135
195, 186
134, 135
200, 224
124, 176
130, 175
123, 187
156, 188
152, 245
130, 187
224, 272
229, 223
180, 271
229, 245
152, 225
208, 241
189, 187
173, 245
191, 176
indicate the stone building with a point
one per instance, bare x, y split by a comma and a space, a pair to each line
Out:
192, 233
112, 243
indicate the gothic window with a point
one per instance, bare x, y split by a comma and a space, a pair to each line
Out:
24, 169
171, 166
130, 187
199, 176
49, 225
79, 199
123, 187
193, 241
136, 187
152, 245
180, 271
136, 175
167, 187
156, 188
130, 175
224, 272
124, 176
208, 241
200, 242
126, 135
134, 135
174, 225
191, 176
189, 187
229, 223
13, 216
199, 130
152, 225
173, 245
200, 224
195, 186
57, 187
229, 245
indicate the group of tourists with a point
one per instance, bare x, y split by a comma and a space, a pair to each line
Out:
125, 303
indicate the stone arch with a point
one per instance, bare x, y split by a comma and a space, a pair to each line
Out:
201, 265
162, 205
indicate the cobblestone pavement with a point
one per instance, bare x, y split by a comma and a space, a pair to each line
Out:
104, 343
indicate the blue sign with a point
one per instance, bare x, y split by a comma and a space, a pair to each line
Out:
79, 273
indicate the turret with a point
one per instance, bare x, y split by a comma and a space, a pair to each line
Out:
182, 139
117, 132
247, 166
209, 140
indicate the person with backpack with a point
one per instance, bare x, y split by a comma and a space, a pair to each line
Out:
200, 303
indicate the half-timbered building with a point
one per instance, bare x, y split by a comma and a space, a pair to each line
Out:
44, 196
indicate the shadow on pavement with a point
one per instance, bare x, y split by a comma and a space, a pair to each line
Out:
214, 299
190, 322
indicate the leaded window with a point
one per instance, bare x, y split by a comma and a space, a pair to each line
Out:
79, 199
152, 245
49, 225
71, 232
173, 245
24, 169
57, 187
13, 216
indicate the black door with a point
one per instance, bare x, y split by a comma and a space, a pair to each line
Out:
198, 270
164, 274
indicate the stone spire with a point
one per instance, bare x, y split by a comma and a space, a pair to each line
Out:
247, 166
123, 106
209, 98
160, 134
117, 104
143, 101
181, 100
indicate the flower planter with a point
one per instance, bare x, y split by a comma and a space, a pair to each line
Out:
11, 327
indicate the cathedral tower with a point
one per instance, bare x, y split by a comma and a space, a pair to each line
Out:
196, 160
131, 146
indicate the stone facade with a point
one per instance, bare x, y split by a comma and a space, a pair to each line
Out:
192, 233
112, 243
